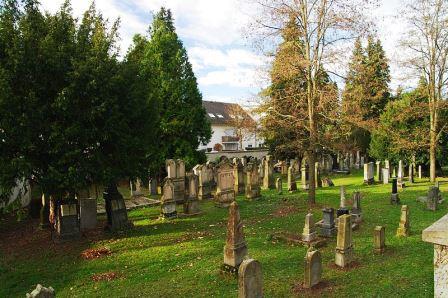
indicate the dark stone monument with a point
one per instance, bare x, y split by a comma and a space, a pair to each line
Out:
67, 223
117, 216
433, 198
327, 226
394, 199
87, 213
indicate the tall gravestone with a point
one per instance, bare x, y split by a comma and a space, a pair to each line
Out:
292, 185
250, 279
420, 176
153, 186
304, 176
167, 202
176, 172
225, 192
268, 177
136, 188
317, 177
87, 213
238, 175
327, 225
309, 230
400, 175
235, 249
433, 198
387, 166
205, 176
394, 198
379, 239
191, 205
117, 216
45, 213
279, 185
368, 173
344, 245
356, 209
252, 181
313, 268
343, 209
385, 175
403, 227
67, 222
379, 171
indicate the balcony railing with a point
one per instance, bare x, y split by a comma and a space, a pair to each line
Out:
230, 139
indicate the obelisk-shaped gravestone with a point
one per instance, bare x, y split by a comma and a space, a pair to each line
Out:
235, 249
344, 246
292, 185
403, 227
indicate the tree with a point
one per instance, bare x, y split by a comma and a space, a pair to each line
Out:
183, 122
427, 40
319, 26
244, 126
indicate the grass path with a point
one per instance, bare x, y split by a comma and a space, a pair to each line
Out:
181, 258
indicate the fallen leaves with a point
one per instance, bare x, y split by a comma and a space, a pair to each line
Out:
95, 253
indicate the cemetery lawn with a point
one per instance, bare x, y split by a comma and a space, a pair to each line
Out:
182, 258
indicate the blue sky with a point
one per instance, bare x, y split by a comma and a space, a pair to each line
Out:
225, 63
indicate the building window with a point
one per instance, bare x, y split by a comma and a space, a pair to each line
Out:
220, 116
211, 115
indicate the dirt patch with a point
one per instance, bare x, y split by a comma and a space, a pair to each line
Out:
107, 276
316, 291
285, 211
353, 265
90, 254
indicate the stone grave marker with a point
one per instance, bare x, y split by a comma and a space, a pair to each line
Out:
67, 223
356, 209
167, 202
313, 268
238, 175
378, 171
252, 181
394, 198
368, 173
379, 239
225, 192
41, 292
44, 213
250, 279
404, 226
385, 175
191, 205
176, 172
153, 186
117, 216
433, 198
420, 176
268, 178
87, 213
304, 176
318, 179
279, 185
344, 245
205, 175
400, 175
309, 230
235, 249
292, 185
327, 225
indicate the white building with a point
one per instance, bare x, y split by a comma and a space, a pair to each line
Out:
228, 120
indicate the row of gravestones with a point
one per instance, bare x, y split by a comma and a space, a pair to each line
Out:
384, 171
250, 278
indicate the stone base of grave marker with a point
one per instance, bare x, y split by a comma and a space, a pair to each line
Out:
168, 210
394, 199
344, 257
325, 231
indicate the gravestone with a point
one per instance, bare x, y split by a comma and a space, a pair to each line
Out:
343, 209
87, 213
176, 172
292, 185
283, 168
411, 173
238, 175
67, 223
136, 188
167, 202
379, 239
41, 292
279, 186
225, 192
356, 209
153, 187
205, 176
252, 182
437, 234
344, 245
327, 182
385, 176
400, 175
117, 216
309, 230
387, 166
358, 160
250, 279
420, 176
318, 179
313, 268
403, 227
327, 226
191, 205
433, 198
44, 213
268, 178
304, 177
378, 171
368, 173
235, 249
394, 198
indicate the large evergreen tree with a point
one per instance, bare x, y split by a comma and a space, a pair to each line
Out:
183, 121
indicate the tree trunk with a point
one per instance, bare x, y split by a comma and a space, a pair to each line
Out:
432, 155
312, 177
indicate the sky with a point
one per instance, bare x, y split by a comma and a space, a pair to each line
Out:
226, 64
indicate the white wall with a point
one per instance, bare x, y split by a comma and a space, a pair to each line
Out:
224, 130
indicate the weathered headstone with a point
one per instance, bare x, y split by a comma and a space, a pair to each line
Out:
153, 187
225, 192
411, 173
279, 185
117, 216
394, 198
238, 175
191, 205
378, 171
420, 176
313, 268
292, 185
136, 188
268, 177
344, 245
379, 239
358, 160
205, 174
327, 226
343, 202
235, 249
387, 166
433, 198
41, 292
400, 175
250, 279
368, 173
437, 234
318, 179
252, 181
304, 176
283, 168
356, 209
87, 213
167, 202
67, 223
385, 175
176, 172
309, 230
403, 227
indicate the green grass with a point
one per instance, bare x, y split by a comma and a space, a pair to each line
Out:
182, 258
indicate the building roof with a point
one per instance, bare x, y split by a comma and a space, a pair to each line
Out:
224, 113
